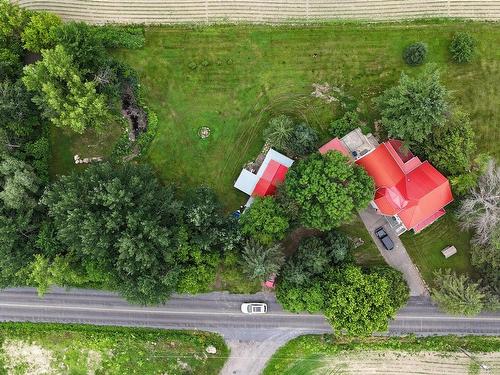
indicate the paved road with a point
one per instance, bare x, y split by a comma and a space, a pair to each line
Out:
253, 339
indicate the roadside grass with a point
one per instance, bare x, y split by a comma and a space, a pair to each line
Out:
233, 78
425, 248
85, 349
326, 354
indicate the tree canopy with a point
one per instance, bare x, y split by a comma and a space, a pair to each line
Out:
414, 108
327, 188
264, 221
62, 95
41, 31
260, 261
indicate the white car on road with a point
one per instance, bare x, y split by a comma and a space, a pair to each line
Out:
254, 308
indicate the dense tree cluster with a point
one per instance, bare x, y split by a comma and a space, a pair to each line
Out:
320, 276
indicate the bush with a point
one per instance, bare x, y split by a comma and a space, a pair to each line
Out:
279, 132
415, 54
304, 141
113, 36
349, 121
462, 47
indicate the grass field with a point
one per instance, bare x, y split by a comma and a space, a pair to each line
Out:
425, 248
324, 355
233, 78
27, 348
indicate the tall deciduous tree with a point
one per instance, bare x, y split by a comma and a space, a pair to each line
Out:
61, 93
451, 148
264, 221
414, 108
120, 222
327, 188
41, 31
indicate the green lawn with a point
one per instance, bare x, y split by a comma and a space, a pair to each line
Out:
80, 349
232, 78
425, 247
328, 355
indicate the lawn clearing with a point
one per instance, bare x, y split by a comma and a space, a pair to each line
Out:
425, 248
40, 349
233, 78
324, 355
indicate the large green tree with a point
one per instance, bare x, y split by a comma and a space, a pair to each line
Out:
41, 31
416, 107
62, 94
264, 221
451, 148
327, 188
121, 224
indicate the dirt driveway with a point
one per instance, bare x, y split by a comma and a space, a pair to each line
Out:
398, 257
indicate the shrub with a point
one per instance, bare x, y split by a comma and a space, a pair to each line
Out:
113, 36
415, 54
279, 132
462, 47
304, 141
340, 127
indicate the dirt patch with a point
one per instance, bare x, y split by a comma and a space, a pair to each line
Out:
136, 116
94, 361
31, 358
396, 362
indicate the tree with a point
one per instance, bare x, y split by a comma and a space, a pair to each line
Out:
10, 64
480, 210
19, 184
41, 31
456, 294
18, 112
304, 141
414, 108
82, 42
260, 261
451, 148
327, 188
279, 132
358, 303
62, 95
264, 221
121, 224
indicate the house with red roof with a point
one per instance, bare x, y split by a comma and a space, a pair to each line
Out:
266, 179
412, 194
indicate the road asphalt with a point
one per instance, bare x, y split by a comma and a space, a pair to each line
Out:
252, 338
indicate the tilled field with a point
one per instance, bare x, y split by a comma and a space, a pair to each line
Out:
396, 362
261, 11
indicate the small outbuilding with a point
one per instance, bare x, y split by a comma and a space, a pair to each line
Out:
449, 251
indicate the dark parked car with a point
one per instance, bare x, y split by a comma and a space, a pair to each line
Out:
384, 238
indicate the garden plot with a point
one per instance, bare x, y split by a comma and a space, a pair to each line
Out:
396, 362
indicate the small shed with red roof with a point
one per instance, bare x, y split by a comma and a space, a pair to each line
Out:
266, 180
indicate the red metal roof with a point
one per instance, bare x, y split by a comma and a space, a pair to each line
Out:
415, 191
273, 175
334, 144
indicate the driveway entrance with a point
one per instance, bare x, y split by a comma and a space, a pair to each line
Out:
398, 257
